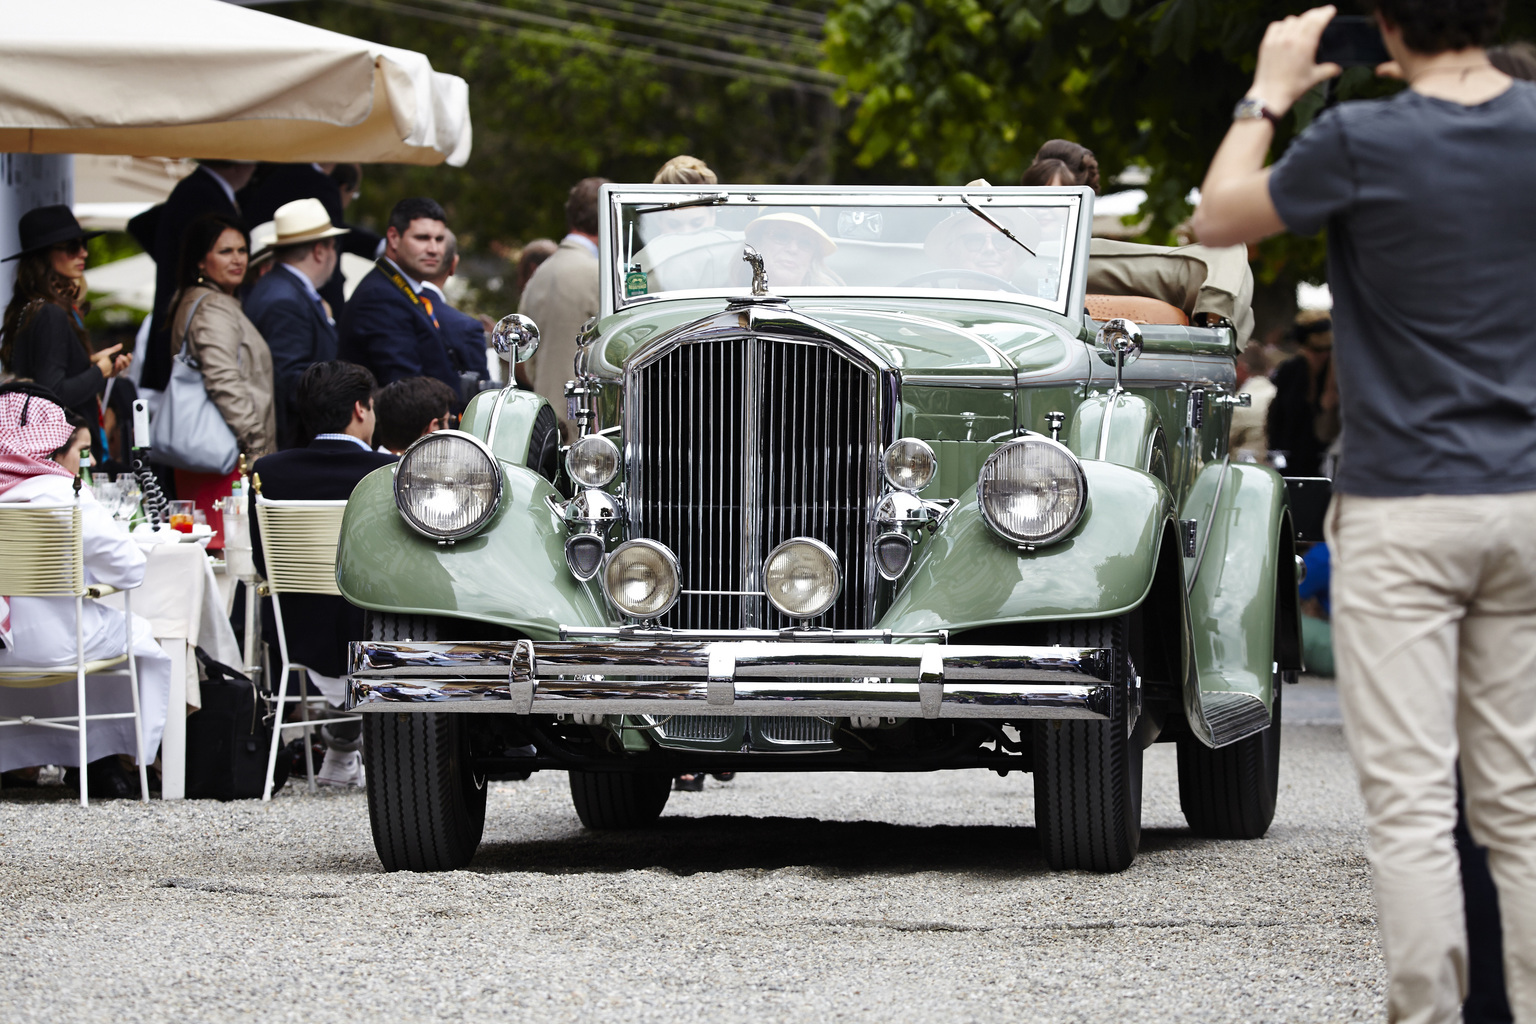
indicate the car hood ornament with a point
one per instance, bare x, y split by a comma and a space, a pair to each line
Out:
760, 294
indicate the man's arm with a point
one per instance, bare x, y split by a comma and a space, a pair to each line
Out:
1235, 204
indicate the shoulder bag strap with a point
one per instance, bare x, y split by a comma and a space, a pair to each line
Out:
186, 334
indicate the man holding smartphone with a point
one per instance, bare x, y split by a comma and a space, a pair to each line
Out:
1430, 202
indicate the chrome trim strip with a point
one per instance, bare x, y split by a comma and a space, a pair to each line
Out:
999, 381
1233, 716
748, 677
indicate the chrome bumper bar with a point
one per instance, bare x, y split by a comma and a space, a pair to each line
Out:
731, 677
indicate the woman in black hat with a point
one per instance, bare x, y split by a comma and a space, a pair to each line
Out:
43, 336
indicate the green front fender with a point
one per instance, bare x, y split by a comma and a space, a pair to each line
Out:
503, 419
1243, 586
965, 576
512, 573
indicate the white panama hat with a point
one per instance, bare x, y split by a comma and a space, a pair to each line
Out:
303, 220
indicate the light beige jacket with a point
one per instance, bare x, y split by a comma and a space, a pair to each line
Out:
236, 363
560, 297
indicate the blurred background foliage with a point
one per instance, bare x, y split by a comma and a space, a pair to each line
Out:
829, 91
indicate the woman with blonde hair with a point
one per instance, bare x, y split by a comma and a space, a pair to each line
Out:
685, 170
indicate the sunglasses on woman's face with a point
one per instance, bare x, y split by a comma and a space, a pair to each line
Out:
73, 247
975, 244
783, 238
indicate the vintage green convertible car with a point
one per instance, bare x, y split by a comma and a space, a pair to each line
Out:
892, 479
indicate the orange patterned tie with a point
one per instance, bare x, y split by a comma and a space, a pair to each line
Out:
426, 304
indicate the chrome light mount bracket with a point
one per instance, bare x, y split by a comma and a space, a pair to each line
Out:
1119, 344
901, 518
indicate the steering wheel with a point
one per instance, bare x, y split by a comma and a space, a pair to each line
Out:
986, 280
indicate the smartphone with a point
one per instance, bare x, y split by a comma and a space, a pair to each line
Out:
1352, 41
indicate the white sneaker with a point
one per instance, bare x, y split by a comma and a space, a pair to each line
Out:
341, 769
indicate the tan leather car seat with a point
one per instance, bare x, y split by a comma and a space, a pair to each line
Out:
1141, 309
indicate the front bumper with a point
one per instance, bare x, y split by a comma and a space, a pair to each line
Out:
745, 672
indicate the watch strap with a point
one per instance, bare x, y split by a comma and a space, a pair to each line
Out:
1250, 109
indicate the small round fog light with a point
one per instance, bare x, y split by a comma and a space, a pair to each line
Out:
592, 461
893, 553
641, 579
909, 464
584, 555
802, 577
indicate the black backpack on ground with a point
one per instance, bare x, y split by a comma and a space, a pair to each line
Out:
228, 738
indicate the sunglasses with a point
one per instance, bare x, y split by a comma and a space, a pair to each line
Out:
783, 238
975, 244
73, 247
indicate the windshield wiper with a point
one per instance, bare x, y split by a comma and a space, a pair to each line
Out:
978, 211
713, 199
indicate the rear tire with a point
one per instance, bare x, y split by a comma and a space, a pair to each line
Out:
1230, 793
425, 802
615, 800
1088, 772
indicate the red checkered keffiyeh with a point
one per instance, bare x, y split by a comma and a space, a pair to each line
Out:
24, 450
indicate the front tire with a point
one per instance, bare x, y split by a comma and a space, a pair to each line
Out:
1230, 793
617, 800
425, 802
1088, 772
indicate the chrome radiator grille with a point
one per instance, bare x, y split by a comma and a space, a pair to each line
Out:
736, 445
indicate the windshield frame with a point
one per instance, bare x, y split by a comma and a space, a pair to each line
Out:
614, 197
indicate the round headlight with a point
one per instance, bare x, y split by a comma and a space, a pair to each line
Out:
592, 460
802, 577
909, 464
1032, 491
447, 485
641, 579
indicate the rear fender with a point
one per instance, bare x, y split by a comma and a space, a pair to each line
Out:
512, 573
1242, 582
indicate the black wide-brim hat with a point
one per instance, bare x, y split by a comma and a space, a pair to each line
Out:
46, 226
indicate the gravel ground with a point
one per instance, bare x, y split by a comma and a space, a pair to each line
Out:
775, 898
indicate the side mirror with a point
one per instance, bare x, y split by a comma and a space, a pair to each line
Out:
515, 338
1119, 345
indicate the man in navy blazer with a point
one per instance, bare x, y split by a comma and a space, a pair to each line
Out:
277, 185
391, 324
286, 307
210, 188
337, 399
463, 334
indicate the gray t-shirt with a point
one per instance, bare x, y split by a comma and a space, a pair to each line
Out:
1431, 215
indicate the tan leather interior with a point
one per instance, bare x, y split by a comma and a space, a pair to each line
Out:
1142, 309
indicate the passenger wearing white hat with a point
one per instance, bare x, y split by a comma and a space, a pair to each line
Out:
287, 308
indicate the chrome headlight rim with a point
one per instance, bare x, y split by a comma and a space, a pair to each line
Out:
602, 444
668, 558
448, 437
923, 448
988, 471
825, 550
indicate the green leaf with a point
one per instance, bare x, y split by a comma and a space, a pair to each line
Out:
1115, 9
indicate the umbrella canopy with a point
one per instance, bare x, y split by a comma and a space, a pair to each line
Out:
203, 78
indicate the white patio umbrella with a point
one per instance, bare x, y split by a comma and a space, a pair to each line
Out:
203, 78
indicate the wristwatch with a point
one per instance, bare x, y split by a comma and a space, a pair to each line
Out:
1250, 109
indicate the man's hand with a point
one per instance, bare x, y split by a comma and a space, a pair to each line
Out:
1288, 65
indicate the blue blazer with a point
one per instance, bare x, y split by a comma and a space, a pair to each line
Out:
297, 332
382, 330
466, 340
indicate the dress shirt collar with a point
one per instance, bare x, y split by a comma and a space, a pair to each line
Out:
364, 445
309, 286
415, 284
583, 241
436, 291
216, 176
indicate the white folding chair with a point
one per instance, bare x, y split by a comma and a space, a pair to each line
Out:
42, 555
298, 543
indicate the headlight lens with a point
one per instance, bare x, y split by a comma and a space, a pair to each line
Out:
447, 485
641, 579
909, 464
802, 577
592, 461
1032, 490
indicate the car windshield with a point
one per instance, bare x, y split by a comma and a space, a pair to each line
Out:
1014, 244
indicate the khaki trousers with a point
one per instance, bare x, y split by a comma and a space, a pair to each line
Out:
1434, 615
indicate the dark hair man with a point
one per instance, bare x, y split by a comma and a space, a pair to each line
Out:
1430, 260
336, 401
410, 409
288, 310
562, 295
391, 324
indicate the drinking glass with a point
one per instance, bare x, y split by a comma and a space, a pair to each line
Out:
181, 515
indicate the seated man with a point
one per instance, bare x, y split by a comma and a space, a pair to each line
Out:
336, 399
463, 334
410, 409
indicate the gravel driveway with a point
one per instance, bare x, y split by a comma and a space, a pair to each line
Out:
916, 898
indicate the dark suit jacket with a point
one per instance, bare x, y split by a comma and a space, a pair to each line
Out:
465, 337
298, 334
383, 331
319, 627
288, 182
193, 196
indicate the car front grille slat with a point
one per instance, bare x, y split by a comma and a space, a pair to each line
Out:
737, 445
